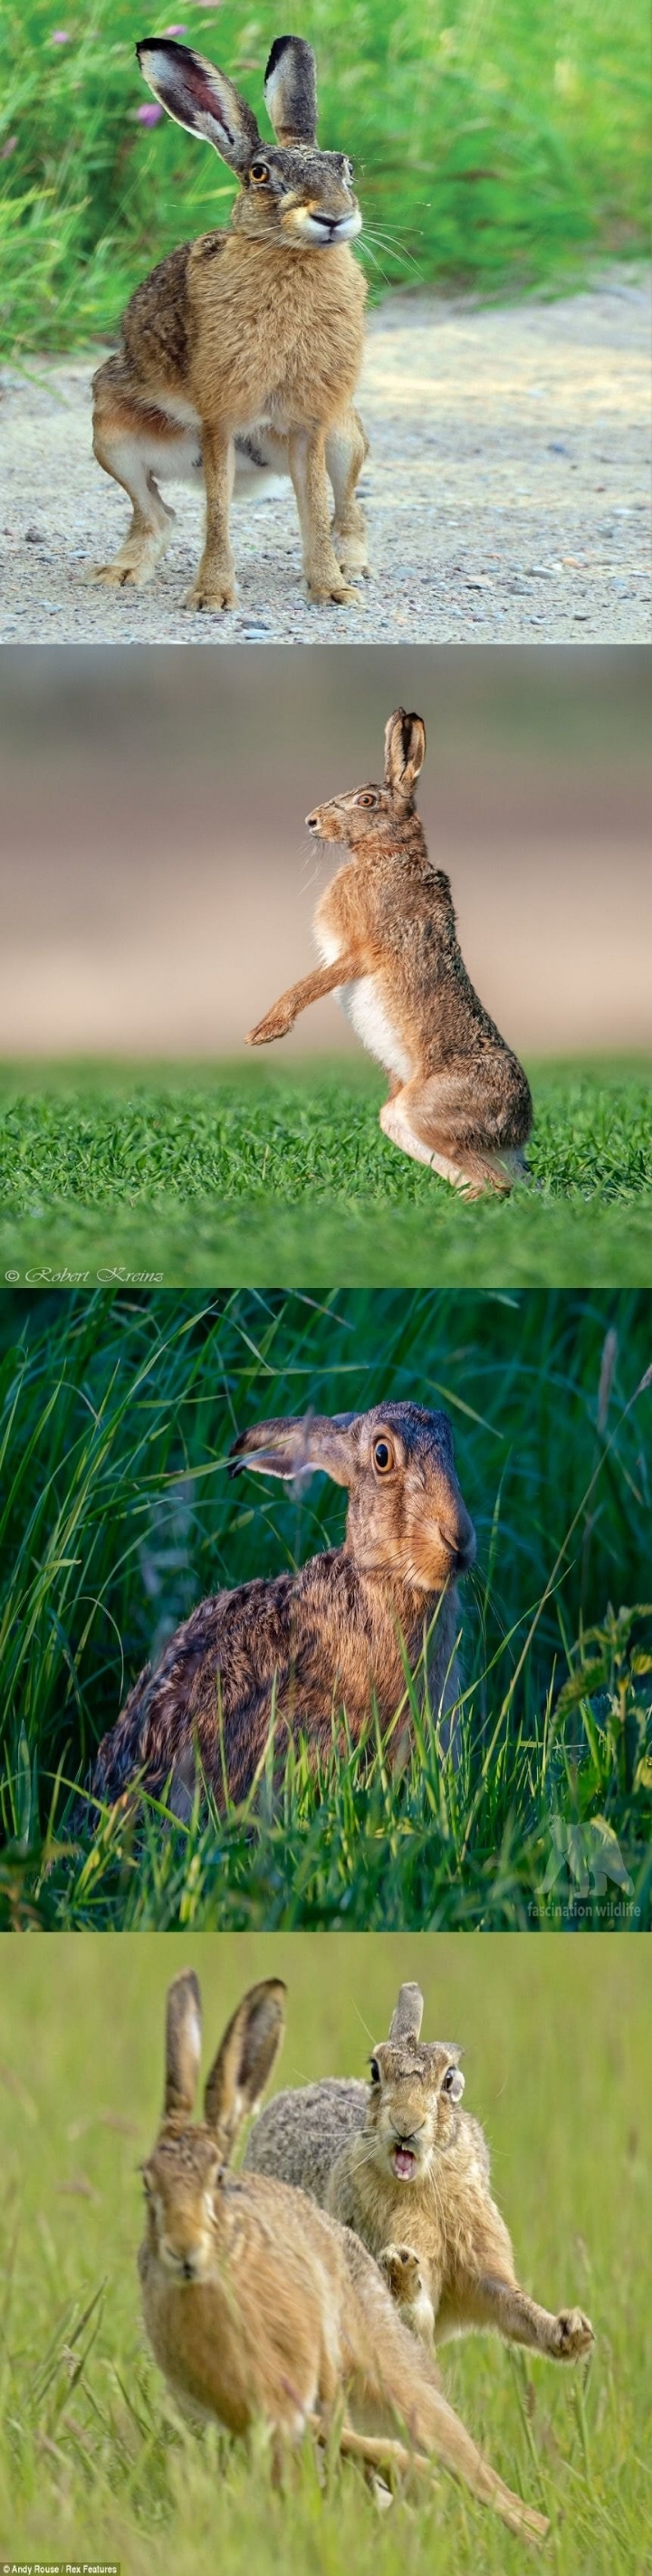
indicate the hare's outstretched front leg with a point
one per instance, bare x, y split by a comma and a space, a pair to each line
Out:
307, 462
566, 2337
325, 979
346, 448
214, 586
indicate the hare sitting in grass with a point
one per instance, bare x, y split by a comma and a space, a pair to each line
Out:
302, 1646
258, 2307
399, 2161
242, 350
385, 928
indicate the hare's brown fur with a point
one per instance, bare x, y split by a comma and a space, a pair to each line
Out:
401, 2163
459, 1100
332, 1636
260, 2307
244, 347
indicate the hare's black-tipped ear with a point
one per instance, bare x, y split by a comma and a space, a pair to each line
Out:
244, 2062
405, 751
291, 90
182, 2046
407, 2016
314, 1442
200, 98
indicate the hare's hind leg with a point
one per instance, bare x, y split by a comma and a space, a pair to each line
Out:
434, 1120
128, 447
397, 1122
307, 462
346, 449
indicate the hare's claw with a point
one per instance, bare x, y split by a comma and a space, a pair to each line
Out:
211, 594
401, 2269
334, 592
575, 2334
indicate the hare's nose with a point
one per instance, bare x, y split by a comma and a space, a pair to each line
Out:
312, 821
188, 2268
459, 1538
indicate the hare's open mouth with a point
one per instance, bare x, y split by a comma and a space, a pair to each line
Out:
404, 2164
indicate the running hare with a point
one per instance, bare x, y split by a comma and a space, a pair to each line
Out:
304, 1645
400, 2162
386, 930
243, 349
259, 2307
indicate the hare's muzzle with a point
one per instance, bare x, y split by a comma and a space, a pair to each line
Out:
459, 1539
404, 2163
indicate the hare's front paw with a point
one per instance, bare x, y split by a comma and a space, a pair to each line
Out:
575, 2334
211, 592
275, 1025
402, 2274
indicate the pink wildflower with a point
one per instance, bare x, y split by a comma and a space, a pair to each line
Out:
148, 115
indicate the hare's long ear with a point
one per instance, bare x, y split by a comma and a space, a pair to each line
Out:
244, 2062
299, 1447
291, 90
405, 751
407, 2016
182, 2046
201, 98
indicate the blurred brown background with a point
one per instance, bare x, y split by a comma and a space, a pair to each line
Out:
157, 882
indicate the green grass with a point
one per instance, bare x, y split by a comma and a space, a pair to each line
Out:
203, 1177
94, 2462
116, 1414
496, 146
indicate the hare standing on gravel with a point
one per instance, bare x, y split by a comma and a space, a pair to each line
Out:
401, 2163
385, 927
334, 1635
260, 2308
242, 350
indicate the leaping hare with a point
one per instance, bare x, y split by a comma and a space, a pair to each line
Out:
242, 350
386, 931
258, 2307
333, 1635
400, 2162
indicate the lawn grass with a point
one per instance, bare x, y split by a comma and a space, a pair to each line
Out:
206, 1177
500, 147
116, 1414
94, 2462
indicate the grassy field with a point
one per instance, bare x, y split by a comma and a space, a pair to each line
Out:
93, 2460
496, 147
257, 1173
116, 1414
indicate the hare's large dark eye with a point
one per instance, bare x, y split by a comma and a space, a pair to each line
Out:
374, 2070
369, 799
383, 1457
449, 2080
259, 173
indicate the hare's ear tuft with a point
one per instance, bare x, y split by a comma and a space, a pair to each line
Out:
291, 90
200, 98
182, 2045
298, 1447
244, 2062
407, 2016
405, 751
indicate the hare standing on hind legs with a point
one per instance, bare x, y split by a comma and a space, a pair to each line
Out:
334, 1635
258, 2307
400, 2162
242, 350
459, 1100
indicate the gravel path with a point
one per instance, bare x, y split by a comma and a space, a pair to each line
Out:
507, 492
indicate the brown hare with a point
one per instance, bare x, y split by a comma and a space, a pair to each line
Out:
258, 2307
303, 1645
385, 928
400, 2162
242, 350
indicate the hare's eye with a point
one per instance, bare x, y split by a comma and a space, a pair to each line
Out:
367, 800
374, 2070
449, 2080
383, 1457
259, 173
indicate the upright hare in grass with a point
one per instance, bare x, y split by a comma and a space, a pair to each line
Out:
386, 931
260, 2308
242, 350
334, 1635
400, 2162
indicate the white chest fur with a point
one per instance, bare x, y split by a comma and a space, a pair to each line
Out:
367, 1011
